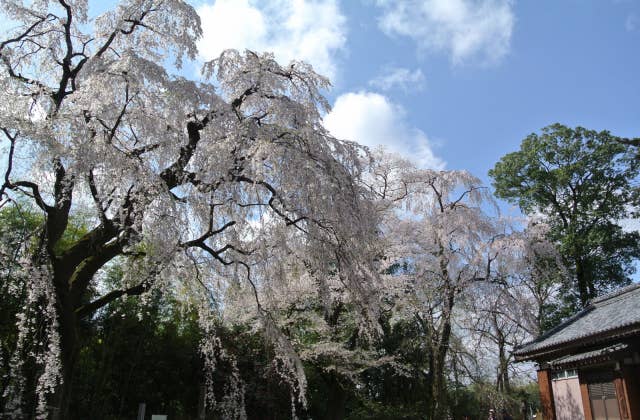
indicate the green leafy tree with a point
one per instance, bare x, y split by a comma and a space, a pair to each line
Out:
582, 182
630, 142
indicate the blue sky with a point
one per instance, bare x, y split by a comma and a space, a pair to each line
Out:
452, 84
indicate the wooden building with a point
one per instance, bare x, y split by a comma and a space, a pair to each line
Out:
589, 366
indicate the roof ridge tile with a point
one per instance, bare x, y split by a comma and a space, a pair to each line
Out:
614, 293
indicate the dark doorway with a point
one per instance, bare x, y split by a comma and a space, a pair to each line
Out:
602, 395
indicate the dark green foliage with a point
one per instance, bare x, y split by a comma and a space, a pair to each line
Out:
382, 391
266, 395
582, 181
150, 354
133, 354
555, 313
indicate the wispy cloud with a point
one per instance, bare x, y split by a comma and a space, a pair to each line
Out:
372, 119
399, 77
312, 31
632, 22
467, 30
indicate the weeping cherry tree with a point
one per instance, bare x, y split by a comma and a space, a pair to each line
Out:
438, 235
197, 186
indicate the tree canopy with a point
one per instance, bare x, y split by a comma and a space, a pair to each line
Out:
191, 185
583, 183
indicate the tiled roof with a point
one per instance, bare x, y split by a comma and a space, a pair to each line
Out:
589, 355
609, 313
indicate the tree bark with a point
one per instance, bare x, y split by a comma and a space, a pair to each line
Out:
438, 393
584, 287
73, 271
337, 399
502, 380
68, 330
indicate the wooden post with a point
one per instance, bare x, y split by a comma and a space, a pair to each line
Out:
546, 394
584, 393
621, 394
631, 388
628, 390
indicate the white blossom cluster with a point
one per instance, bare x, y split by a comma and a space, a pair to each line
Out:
37, 320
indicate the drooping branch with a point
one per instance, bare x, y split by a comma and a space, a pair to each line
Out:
27, 80
90, 308
275, 197
7, 173
96, 198
134, 22
470, 190
207, 235
27, 32
24, 35
35, 193
7, 184
216, 253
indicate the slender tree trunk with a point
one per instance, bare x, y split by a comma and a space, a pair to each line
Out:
584, 288
502, 377
438, 384
502, 382
437, 389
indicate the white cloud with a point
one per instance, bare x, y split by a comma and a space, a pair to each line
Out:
466, 29
402, 78
631, 23
372, 119
312, 31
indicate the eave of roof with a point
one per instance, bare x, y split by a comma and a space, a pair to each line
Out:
598, 355
578, 330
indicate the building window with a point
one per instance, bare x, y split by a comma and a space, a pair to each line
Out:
564, 374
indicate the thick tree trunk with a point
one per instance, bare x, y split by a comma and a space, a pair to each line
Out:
337, 400
73, 271
68, 331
